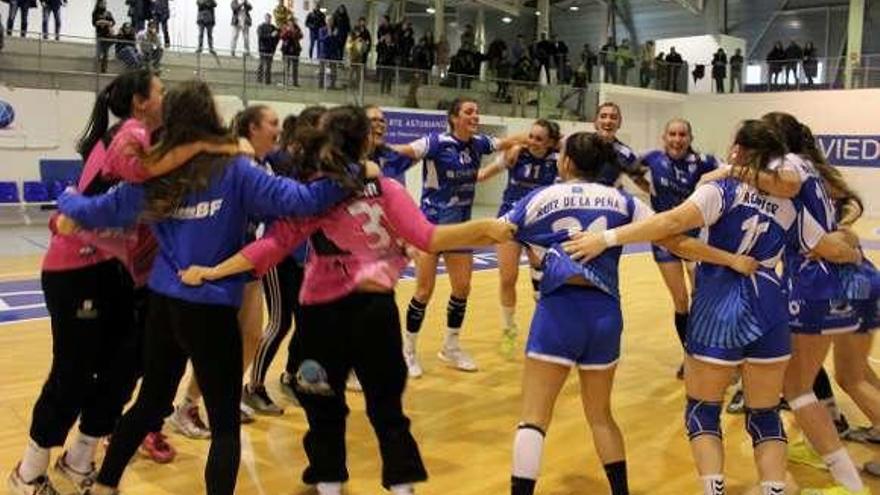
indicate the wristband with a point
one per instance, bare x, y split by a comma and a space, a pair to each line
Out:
610, 237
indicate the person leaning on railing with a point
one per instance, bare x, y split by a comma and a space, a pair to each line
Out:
385, 60
811, 64
291, 48
267, 36
52, 7
14, 7
103, 21
736, 67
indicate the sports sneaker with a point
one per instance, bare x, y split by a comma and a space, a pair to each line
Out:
39, 486
801, 452
258, 400
834, 490
286, 382
247, 414
872, 468
508, 342
457, 358
737, 403
187, 421
861, 434
81, 481
413, 368
353, 384
156, 447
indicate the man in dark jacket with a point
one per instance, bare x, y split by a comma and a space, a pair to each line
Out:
161, 14
793, 55
560, 57
736, 71
315, 21
205, 20
719, 69
52, 7
267, 34
138, 11
675, 64
14, 7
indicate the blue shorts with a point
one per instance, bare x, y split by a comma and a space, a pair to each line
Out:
773, 346
576, 326
823, 317
663, 255
447, 215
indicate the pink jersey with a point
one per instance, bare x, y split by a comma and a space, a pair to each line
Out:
135, 249
360, 240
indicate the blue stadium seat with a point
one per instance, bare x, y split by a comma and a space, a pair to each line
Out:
56, 187
52, 169
9, 193
36, 192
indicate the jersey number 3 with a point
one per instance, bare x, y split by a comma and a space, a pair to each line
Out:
373, 224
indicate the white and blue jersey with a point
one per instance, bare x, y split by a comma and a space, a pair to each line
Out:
209, 225
547, 217
449, 176
735, 318
392, 163
527, 174
672, 181
818, 300
627, 161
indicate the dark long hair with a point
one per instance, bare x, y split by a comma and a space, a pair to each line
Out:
189, 115
115, 98
763, 144
334, 149
589, 153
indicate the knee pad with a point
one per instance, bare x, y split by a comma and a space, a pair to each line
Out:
702, 418
765, 425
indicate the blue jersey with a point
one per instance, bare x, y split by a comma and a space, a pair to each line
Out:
529, 173
392, 163
547, 217
811, 279
674, 180
627, 161
209, 226
730, 310
449, 177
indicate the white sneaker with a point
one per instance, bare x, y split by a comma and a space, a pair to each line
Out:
40, 486
187, 421
457, 358
353, 384
413, 368
248, 415
81, 481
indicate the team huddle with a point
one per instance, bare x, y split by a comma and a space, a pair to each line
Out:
181, 228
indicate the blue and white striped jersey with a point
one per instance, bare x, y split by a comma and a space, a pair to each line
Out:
449, 176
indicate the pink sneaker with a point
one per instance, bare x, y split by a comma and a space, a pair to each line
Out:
156, 447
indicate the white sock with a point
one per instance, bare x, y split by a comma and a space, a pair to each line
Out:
34, 463
334, 488
404, 489
81, 453
409, 341
713, 484
528, 447
507, 313
772, 488
451, 340
843, 470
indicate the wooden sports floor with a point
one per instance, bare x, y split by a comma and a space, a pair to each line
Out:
464, 422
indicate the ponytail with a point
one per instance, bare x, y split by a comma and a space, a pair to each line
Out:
97, 125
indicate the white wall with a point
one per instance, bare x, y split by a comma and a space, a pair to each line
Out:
699, 50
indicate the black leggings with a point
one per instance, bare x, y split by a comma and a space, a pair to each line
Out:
94, 345
281, 287
208, 335
360, 331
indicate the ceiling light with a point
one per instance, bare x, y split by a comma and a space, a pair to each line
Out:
323, 9
537, 12
506, 20
430, 10
574, 8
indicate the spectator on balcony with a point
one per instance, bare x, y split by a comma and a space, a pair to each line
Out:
560, 57
330, 52
543, 54
282, 13
441, 55
138, 11
423, 55
719, 69
150, 44
342, 23
524, 75
385, 61
674, 64
126, 48
496, 51
241, 24
103, 22
468, 36
291, 48
517, 49
736, 70
315, 21
267, 37
52, 7
205, 20
16, 6
363, 34
661, 72
608, 59
384, 28
626, 60
793, 56
406, 44
775, 64
589, 60
161, 14
354, 47
647, 65
811, 64
504, 73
